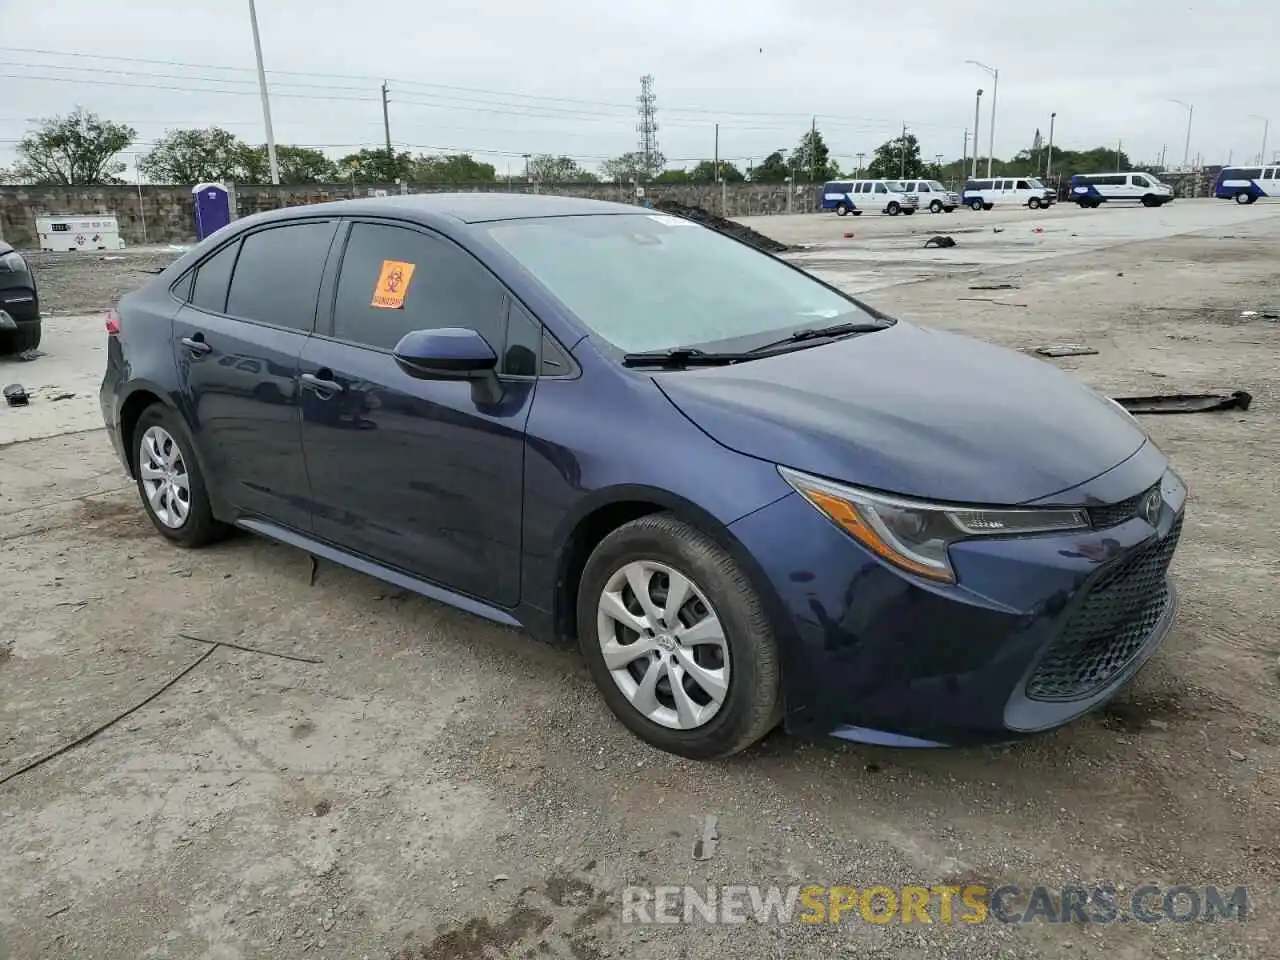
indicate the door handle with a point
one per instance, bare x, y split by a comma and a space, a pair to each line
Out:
319, 385
197, 345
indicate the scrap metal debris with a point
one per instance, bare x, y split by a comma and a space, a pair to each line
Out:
1066, 350
940, 241
999, 303
993, 286
1187, 402
15, 395
704, 848
720, 224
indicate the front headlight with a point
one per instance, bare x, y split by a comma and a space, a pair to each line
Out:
915, 535
12, 263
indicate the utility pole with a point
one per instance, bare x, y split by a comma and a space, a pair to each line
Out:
386, 120
977, 119
813, 150
1163, 150
858, 173
715, 177
902, 175
266, 102
1048, 167
1266, 129
964, 156
1119, 144
1186, 150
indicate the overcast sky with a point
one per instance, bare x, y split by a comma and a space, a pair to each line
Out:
500, 79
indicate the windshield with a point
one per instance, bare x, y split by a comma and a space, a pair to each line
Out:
1035, 183
655, 282
896, 186
935, 185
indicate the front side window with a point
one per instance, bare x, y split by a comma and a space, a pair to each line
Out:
644, 282
1024, 185
277, 276
394, 280
881, 188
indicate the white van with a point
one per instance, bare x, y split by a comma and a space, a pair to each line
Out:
1091, 189
933, 196
1019, 191
855, 196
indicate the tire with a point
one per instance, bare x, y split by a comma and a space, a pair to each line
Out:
841, 209
1034, 203
893, 209
197, 527
975, 205
987, 206
26, 337
751, 705
1243, 198
935, 207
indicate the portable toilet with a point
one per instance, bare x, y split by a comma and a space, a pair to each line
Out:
212, 207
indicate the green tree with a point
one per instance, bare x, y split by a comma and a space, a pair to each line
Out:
773, 169
75, 150
672, 176
545, 168
811, 159
195, 156
634, 166
897, 159
375, 166
705, 172
451, 168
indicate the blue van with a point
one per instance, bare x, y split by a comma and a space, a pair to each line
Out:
1248, 184
837, 195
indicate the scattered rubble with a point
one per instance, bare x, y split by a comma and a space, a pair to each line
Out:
940, 241
1187, 402
730, 227
1066, 350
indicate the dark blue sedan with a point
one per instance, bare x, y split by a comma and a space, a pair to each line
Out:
746, 496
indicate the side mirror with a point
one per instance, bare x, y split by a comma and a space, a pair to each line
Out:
449, 353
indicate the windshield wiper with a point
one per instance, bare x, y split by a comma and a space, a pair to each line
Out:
819, 333
679, 357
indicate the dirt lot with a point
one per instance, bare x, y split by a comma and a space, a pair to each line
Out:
420, 784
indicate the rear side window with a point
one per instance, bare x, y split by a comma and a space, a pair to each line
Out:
209, 292
277, 277
395, 280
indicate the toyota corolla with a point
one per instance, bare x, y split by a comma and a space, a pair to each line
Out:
748, 497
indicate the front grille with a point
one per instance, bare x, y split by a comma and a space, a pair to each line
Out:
1109, 626
1113, 514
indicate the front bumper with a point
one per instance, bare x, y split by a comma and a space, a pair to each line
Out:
1037, 632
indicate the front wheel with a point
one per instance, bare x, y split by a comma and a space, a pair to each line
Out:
169, 480
1034, 203
893, 209
677, 640
975, 205
935, 207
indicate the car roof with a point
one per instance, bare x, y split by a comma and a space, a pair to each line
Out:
459, 207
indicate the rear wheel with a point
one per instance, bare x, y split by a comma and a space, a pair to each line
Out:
26, 337
893, 209
1243, 198
841, 209
677, 640
169, 480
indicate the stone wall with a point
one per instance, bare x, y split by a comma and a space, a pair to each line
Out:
167, 210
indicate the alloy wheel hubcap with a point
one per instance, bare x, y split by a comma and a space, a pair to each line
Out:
165, 480
663, 644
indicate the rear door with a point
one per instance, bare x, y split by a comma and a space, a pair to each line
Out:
415, 474
236, 341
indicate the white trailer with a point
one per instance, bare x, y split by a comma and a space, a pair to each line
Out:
68, 233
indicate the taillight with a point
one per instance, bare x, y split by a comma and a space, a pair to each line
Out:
113, 323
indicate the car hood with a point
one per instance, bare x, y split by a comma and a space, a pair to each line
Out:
913, 411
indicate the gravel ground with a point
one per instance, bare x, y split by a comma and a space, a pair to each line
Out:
84, 282
424, 785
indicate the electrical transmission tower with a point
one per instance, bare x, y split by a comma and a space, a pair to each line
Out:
647, 108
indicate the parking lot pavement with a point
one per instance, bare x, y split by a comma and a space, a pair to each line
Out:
380, 776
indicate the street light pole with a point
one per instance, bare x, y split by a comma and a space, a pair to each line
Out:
1048, 167
977, 107
991, 133
266, 102
1186, 151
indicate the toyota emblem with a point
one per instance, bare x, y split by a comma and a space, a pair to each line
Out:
1150, 509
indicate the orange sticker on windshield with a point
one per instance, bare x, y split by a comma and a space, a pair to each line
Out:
393, 284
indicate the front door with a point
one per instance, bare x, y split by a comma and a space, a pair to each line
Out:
236, 342
424, 476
